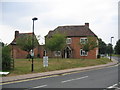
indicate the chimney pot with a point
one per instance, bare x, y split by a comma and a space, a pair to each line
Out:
87, 24
16, 34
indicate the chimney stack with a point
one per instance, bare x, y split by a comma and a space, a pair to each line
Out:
87, 24
16, 34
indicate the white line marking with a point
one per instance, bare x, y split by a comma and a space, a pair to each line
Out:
112, 86
40, 86
73, 79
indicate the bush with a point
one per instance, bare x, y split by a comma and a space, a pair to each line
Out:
28, 56
6, 58
98, 56
38, 55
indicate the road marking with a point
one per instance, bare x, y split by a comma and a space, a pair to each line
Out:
40, 86
88, 70
73, 79
56, 75
28, 79
112, 86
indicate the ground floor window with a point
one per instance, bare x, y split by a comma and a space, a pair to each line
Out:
83, 53
57, 53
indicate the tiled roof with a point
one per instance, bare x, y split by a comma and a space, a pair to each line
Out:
73, 31
20, 35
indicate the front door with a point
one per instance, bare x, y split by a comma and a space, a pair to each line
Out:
67, 53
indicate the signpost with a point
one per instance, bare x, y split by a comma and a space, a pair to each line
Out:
45, 61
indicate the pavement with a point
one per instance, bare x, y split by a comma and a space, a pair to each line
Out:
58, 72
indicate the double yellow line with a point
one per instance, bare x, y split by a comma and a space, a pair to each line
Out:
52, 75
27, 80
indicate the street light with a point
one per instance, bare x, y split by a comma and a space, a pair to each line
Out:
13, 43
111, 45
33, 43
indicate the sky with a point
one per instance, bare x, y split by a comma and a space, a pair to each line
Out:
102, 16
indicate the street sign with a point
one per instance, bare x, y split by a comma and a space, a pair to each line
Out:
32, 53
45, 61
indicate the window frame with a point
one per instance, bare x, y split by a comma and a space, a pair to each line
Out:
56, 53
68, 40
83, 53
85, 40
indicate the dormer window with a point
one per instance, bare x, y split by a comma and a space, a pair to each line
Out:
83, 40
68, 40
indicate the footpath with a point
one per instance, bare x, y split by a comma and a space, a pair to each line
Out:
58, 72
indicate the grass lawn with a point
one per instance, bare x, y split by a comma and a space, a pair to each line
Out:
23, 66
116, 55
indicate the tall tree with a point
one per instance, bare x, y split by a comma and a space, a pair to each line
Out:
25, 42
117, 47
109, 49
2, 44
102, 47
56, 42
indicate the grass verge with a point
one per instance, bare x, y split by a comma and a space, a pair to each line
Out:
23, 66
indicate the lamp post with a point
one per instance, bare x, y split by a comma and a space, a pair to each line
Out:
13, 43
111, 46
33, 43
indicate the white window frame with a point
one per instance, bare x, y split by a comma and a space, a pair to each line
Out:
83, 53
56, 53
84, 40
68, 41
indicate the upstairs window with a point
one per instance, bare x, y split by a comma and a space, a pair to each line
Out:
68, 40
83, 40
83, 53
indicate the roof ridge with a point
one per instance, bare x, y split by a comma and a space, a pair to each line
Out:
71, 26
26, 33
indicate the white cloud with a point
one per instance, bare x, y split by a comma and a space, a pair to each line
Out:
101, 14
6, 33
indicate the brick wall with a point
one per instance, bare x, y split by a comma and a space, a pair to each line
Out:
75, 45
18, 53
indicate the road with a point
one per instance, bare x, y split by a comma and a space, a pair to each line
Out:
96, 78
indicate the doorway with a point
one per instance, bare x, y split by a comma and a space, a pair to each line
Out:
67, 52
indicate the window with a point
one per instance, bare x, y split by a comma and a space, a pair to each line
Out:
57, 53
83, 40
83, 53
68, 40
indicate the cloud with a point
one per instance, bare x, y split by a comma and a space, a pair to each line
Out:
101, 14
6, 33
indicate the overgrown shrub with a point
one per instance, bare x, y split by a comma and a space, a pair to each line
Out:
98, 56
38, 55
6, 58
28, 56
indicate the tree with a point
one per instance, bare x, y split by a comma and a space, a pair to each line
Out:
117, 47
102, 47
56, 42
109, 49
2, 44
90, 44
6, 58
25, 43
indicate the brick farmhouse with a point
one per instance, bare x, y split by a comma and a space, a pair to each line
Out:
19, 53
74, 36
